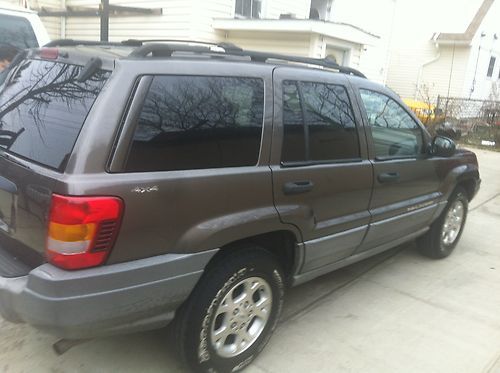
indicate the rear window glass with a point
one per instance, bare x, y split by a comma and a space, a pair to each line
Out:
195, 122
17, 31
42, 109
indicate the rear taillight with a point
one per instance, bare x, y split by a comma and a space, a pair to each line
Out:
82, 230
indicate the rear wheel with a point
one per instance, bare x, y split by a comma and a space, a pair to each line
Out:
232, 313
445, 232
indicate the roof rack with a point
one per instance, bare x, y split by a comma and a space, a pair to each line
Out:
166, 47
166, 50
134, 43
324, 62
75, 42
224, 45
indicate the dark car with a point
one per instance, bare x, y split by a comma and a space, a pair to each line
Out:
142, 183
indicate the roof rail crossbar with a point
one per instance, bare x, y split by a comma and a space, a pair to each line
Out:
224, 45
264, 56
228, 47
351, 71
166, 50
73, 43
324, 62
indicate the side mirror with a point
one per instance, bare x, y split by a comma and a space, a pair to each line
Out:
442, 146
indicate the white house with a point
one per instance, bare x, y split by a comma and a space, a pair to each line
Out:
434, 47
431, 47
302, 27
447, 48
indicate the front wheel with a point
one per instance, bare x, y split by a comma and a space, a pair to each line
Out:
233, 311
445, 232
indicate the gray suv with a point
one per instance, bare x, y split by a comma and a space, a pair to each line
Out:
144, 182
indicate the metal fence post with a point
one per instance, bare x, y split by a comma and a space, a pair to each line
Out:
104, 20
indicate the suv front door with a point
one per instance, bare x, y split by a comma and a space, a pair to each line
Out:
405, 192
322, 179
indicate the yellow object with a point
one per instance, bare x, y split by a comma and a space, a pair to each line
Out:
424, 111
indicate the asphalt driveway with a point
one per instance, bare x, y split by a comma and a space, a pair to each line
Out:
397, 312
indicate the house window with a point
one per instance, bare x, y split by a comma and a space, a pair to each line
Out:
320, 9
491, 67
248, 9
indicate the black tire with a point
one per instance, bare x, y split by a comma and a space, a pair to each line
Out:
196, 318
431, 244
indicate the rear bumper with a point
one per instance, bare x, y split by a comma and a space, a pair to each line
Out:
138, 295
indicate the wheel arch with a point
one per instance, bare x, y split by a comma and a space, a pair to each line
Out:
282, 244
465, 176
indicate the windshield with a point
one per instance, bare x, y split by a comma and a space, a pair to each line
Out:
42, 110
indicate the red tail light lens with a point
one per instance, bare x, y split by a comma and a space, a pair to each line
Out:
82, 230
49, 53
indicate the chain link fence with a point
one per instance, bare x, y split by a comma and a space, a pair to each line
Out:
475, 122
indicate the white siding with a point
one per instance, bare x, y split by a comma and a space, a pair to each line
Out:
174, 23
372, 61
376, 18
402, 58
412, 47
447, 74
317, 46
52, 24
405, 63
289, 43
204, 13
481, 51
484, 86
182, 19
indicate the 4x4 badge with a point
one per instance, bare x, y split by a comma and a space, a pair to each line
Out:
142, 190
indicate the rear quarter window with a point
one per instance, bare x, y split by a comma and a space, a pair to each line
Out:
43, 108
197, 122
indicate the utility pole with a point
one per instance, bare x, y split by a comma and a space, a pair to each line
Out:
104, 11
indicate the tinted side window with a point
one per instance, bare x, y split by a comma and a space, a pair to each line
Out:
394, 131
17, 31
194, 122
294, 144
318, 123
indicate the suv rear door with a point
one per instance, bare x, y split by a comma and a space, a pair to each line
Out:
322, 179
192, 157
405, 193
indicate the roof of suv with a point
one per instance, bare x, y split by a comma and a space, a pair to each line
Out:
141, 49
